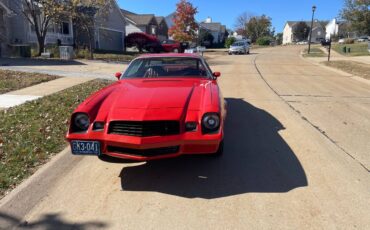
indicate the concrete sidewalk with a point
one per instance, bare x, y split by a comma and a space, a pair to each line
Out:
21, 96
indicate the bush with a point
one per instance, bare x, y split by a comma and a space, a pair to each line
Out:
349, 41
229, 41
264, 41
83, 53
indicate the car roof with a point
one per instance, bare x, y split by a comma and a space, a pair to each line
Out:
189, 55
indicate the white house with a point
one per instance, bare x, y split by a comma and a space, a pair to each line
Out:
215, 28
318, 32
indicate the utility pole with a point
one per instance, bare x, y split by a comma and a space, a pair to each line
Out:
309, 40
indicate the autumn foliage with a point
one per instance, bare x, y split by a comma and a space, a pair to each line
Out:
185, 27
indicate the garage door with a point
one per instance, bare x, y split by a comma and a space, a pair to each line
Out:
110, 40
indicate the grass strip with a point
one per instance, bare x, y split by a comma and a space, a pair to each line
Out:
315, 52
13, 80
30, 134
357, 49
355, 68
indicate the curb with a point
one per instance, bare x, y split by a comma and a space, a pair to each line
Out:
345, 74
25, 196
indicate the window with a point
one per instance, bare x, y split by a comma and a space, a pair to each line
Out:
65, 28
153, 30
158, 67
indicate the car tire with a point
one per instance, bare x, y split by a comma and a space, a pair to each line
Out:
175, 50
151, 50
248, 52
220, 150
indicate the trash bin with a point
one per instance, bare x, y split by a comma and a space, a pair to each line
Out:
348, 50
66, 52
345, 49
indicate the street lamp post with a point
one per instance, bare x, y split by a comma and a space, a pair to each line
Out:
309, 40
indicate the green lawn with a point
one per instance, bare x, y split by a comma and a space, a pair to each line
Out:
110, 57
315, 52
115, 57
12, 80
33, 132
357, 49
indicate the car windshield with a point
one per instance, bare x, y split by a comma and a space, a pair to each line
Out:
156, 67
238, 44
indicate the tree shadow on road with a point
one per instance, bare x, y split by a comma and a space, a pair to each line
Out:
256, 160
47, 222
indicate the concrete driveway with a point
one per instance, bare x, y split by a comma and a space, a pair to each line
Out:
296, 157
75, 68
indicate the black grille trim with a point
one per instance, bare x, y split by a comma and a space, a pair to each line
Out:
144, 128
144, 152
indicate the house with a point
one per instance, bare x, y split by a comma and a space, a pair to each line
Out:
169, 19
336, 28
146, 23
318, 32
162, 32
217, 30
109, 31
15, 29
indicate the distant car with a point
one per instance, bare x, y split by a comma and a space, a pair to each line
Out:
304, 42
171, 46
239, 47
363, 39
342, 41
325, 42
162, 106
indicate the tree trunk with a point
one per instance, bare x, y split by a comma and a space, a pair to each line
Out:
41, 41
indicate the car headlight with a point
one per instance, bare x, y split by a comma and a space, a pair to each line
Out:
210, 122
81, 122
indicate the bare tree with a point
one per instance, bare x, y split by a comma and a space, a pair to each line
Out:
241, 23
85, 14
40, 14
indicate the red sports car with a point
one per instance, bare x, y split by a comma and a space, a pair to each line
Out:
162, 106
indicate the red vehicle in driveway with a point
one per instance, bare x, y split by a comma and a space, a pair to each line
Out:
162, 106
171, 46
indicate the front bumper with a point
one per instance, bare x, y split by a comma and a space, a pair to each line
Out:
152, 148
236, 51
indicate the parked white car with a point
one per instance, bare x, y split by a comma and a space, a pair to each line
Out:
363, 39
342, 41
239, 47
302, 42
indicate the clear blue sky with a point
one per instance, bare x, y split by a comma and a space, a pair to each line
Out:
226, 11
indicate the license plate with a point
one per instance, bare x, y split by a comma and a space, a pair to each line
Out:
85, 148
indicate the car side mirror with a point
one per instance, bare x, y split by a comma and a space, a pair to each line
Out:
118, 75
217, 74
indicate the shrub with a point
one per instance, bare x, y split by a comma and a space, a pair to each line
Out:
263, 41
83, 53
349, 41
229, 41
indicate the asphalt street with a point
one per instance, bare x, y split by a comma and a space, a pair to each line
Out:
297, 156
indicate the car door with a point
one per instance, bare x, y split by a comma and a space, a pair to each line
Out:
167, 45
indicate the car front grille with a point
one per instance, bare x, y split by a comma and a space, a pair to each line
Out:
144, 152
144, 128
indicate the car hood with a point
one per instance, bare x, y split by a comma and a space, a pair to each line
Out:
139, 99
